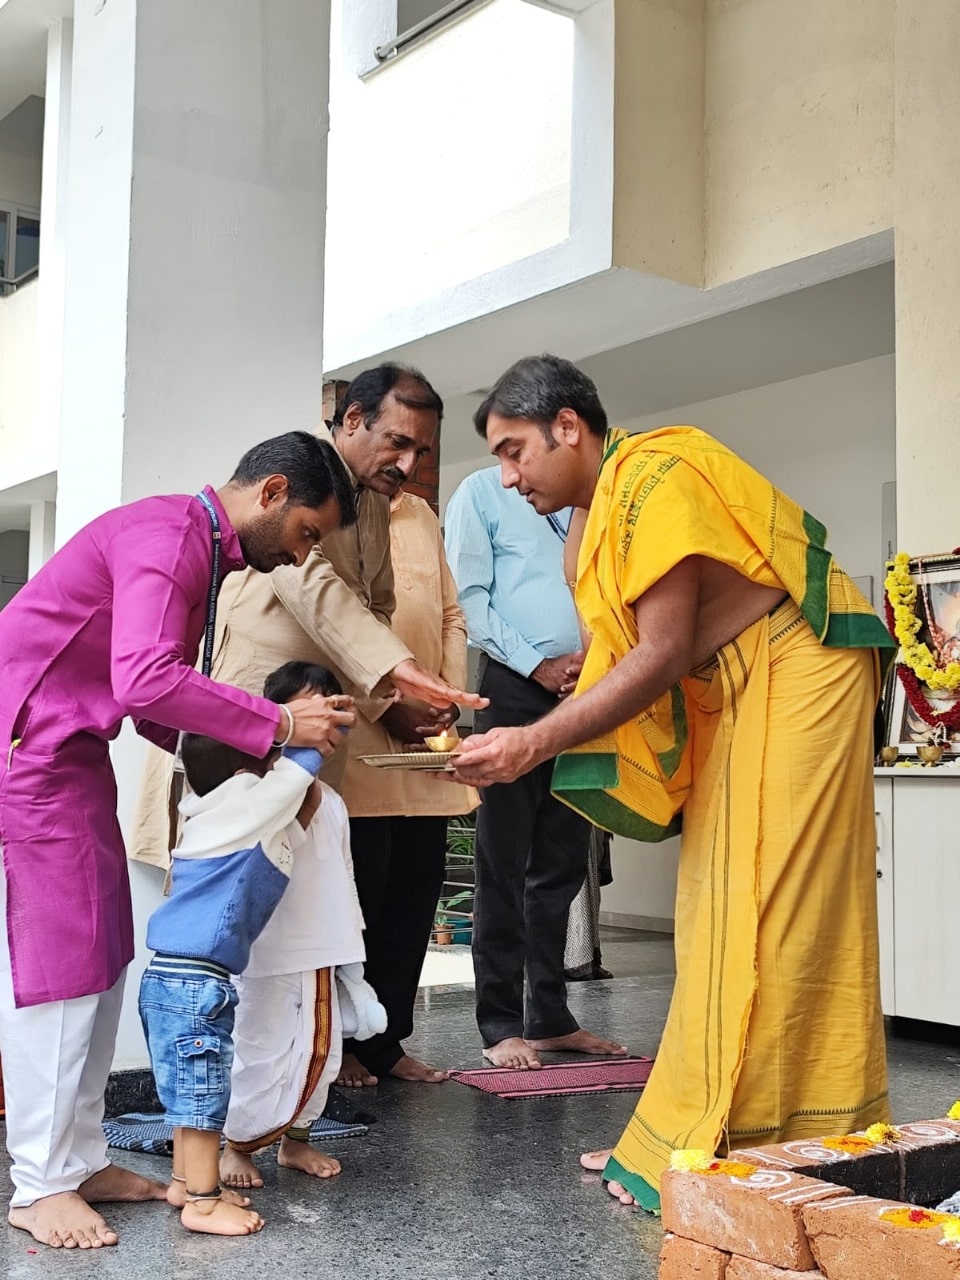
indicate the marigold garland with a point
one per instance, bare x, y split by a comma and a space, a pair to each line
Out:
918, 664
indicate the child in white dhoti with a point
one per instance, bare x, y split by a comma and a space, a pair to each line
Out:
302, 989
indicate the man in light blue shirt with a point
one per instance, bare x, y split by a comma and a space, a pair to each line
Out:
531, 850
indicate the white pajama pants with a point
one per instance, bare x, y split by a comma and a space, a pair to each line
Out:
56, 1059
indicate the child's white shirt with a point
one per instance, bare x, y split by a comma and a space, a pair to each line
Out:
317, 923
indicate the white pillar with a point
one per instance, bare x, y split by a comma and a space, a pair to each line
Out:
193, 316
193, 321
42, 528
52, 277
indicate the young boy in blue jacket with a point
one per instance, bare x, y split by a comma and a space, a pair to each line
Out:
228, 874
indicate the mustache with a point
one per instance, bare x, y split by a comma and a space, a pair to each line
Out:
394, 473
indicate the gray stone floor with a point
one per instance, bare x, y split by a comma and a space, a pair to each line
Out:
450, 1182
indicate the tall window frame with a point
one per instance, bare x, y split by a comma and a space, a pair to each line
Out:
18, 263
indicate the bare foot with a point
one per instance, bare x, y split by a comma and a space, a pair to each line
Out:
220, 1219
177, 1196
300, 1155
597, 1162
116, 1183
515, 1053
353, 1075
620, 1193
407, 1068
63, 1221
580, 1042
238, 1170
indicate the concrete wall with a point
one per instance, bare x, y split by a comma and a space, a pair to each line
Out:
658, 138
20, 179
799, 129
827, 439
14, 551
23, 454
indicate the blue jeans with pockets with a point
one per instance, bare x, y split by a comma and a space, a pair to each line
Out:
187, 1008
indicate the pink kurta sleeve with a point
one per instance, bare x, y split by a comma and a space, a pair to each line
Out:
161, 577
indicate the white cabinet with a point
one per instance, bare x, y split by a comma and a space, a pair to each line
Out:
883, 791
918, 893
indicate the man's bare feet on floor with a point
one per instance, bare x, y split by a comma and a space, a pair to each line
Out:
407, 1068
300, 1155
63, 1221
238, 1170
353, 1075
220, 1218
119, 1184
514, 1053
596, 1162
580, 1041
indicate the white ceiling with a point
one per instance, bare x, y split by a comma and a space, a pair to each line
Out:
836, 323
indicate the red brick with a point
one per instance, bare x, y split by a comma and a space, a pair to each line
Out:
747, 1269
851, 1242
758, 1216
874, 1174
686, 1260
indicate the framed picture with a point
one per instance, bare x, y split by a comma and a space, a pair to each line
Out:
938, 608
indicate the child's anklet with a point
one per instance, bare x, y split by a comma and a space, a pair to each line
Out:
215, 1194
175, 1177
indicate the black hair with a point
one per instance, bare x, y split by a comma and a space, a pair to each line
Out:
208, 763
536, 388
370, 388
313, 469
293, 677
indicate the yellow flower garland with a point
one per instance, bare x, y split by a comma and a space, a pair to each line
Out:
902, 594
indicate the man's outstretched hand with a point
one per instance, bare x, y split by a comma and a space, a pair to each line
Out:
501, 755
414, 681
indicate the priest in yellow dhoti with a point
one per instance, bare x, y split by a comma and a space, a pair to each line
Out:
729, 690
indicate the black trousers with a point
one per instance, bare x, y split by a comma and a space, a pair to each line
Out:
531, 861
399, 865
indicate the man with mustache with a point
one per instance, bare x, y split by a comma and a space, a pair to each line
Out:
336, 611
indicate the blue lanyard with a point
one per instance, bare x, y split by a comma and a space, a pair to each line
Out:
557, 526
214, 585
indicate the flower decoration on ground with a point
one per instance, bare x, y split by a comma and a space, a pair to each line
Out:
853, 1144
954, 1112
883, 1133
916, 1219
951, 1232
918, 665
692, 1160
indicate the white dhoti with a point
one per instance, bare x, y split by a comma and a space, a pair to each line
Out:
56, 1061
287, 1051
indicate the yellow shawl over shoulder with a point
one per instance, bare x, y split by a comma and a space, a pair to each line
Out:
663, 496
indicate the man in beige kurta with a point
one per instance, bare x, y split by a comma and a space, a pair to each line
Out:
337, 609
398, 818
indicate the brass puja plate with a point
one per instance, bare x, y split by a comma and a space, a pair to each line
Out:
434, 761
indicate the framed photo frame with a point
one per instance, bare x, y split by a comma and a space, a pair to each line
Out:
938, 608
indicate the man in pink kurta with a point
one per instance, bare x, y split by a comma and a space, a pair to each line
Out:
111, 627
